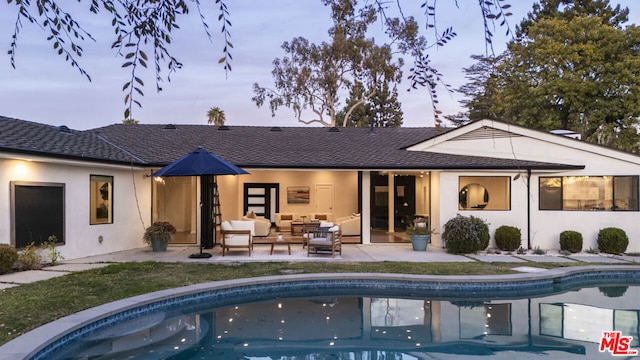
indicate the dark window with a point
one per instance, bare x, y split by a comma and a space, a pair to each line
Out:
625, 193
38, 212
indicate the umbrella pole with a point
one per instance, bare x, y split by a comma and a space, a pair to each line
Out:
206, 189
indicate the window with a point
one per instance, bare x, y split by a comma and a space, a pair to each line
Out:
603, 193
38, 212
101, 200
484, 193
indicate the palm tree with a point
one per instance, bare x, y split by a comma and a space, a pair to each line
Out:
216, 116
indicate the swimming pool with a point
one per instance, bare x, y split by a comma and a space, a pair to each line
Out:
444, 315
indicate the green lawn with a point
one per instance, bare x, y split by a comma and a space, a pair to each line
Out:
28, 306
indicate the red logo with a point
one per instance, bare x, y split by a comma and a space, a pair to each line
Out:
618, 345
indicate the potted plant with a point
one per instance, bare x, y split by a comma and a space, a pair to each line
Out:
420, 236
158, 235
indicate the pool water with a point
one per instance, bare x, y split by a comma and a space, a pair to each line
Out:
563, 325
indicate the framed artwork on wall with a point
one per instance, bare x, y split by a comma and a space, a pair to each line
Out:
298, 195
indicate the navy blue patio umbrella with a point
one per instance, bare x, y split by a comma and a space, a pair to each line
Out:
202, 163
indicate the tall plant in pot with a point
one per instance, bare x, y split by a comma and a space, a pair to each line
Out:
158, 235
420, 236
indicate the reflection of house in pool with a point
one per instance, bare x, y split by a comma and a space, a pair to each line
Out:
51, 178
566, 324
437, 326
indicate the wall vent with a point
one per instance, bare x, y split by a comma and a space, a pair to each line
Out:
486, 133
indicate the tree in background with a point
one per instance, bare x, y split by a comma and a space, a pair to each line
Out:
574, 66
216, 116
143, 31
481, 92
310, 78
381, 110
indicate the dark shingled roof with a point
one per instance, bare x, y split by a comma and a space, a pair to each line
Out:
247, 146
57, 141
300, 147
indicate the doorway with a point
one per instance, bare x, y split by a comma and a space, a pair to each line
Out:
262, 199
324, 198
174, 199
404, 201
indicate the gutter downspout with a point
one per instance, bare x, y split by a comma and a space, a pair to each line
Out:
529, 208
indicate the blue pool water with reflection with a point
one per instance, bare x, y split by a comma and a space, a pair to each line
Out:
567, 325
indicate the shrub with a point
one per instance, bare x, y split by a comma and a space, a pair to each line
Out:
8, 257
481, 228
29, 258
464, 235
52, 253
508, 238
612, 240
571, 241
538, 251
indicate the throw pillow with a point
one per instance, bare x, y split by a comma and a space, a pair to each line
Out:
286, 217
251, 215
321, 217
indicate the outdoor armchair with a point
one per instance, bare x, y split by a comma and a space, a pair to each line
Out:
237, 234
324, 240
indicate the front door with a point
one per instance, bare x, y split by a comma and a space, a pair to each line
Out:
262, 199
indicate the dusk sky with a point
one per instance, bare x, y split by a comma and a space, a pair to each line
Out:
44, 88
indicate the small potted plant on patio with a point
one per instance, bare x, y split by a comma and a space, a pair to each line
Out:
420, 236
158, 235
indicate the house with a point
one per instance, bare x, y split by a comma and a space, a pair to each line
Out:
93, 189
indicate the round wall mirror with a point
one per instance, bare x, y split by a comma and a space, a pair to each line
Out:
473, 197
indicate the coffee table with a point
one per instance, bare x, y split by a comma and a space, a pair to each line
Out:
280, 242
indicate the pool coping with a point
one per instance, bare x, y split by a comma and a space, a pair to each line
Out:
35, 341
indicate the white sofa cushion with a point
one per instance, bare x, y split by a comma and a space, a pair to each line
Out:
244, 225
225, 226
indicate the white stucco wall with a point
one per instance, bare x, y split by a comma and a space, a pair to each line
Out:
516, 216
546, 225
131, 203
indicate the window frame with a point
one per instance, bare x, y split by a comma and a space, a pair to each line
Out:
98, 204
635, 180
61, 238
508, 182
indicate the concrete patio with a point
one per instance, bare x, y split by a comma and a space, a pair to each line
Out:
261, 253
